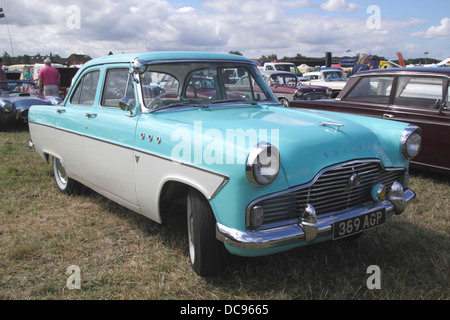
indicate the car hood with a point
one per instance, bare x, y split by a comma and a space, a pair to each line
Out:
308, 140
309, 88
302, 87
335, 84
25, 100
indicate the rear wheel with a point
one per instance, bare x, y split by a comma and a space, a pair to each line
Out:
205, 251
64, 183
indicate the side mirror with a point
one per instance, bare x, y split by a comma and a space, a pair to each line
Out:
127, 104
138, 66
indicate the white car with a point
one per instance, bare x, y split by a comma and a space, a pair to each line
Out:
333, 78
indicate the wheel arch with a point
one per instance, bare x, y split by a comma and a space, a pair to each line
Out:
174, 193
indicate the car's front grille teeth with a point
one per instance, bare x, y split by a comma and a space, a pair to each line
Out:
331, 191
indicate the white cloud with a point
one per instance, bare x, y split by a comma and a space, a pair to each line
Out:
441, 31
185, 9
339, 6
132, 26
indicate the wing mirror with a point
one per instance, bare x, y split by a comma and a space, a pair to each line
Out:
138, 66
127, 103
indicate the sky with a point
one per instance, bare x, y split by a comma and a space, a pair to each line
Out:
252, 27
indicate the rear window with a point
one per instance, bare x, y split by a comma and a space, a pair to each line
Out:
419, 92
372, 89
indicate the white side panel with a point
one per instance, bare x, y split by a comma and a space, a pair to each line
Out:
151, 173
110, 167
43, 138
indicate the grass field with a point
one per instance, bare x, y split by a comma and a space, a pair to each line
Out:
122, 255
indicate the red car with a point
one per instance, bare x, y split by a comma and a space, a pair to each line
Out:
414, 95
287, 87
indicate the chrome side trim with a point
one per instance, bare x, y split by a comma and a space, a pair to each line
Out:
223, 176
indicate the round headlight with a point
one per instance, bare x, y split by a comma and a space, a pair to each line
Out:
411, 141
329, 91
299, 93
6, 107
263, 164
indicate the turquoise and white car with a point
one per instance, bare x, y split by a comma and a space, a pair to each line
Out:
150, 129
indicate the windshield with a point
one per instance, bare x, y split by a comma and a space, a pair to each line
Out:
283, 79
7, 87
333, 75
202, 84
289, 68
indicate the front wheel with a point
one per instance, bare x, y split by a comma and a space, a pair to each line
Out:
284, 102
64, 183
205, 251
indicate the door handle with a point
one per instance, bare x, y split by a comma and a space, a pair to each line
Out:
61, 110
387, 115
91, 115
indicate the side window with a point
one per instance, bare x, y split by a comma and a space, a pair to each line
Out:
118, 85
246, 87
418, 92
87, 88
372, 89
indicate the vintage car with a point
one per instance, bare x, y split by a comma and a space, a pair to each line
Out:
281, 66
16, 97
331, 77
256, 177
287, 87
415, 95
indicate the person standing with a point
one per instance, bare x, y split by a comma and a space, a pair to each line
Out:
49, 79
27, 75
362, 64
2, 72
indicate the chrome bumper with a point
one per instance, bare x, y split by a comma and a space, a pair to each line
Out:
309, 227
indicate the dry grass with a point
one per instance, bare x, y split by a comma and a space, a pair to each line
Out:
125, 256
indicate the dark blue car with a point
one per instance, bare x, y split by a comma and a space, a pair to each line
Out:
16, 97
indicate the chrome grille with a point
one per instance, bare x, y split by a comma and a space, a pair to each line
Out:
330, 191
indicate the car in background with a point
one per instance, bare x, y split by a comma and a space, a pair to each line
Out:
255, 177
415, 95
287, 87
16, 97
331, 77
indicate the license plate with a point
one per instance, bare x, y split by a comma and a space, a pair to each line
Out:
358, 224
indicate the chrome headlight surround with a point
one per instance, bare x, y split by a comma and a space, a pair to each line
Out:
329, 92
263, 164
6, 106
411, 141
299, 93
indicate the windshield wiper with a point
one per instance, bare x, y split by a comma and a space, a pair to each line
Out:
179, 104
233, 100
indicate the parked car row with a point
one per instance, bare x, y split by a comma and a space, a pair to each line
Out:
16, 97
206, 129
333, 78
415, 95
287, 87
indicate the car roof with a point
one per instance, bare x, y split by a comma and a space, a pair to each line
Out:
312, 72
164, 56
412, 70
